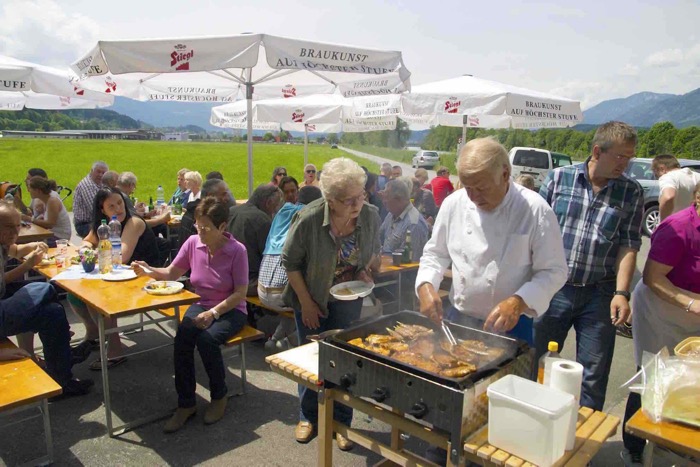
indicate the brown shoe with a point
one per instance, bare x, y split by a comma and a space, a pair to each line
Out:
304, 432
179, 419
344, 444
215, 411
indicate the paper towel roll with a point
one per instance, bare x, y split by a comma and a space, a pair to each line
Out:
567, 376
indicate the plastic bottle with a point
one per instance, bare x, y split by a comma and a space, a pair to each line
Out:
544, 367
115, 238
407, 249
160, 196
104, 249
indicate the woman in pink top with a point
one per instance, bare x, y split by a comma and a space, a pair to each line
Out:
219, 266
666, 303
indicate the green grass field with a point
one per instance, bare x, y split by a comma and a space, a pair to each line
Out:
157, 162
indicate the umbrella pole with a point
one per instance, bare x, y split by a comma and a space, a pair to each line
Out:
306, 144
249, 122
464, 132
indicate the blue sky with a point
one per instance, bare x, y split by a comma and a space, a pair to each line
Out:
590, 51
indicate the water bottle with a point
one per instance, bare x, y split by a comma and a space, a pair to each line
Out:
104, 249
115, 238
160, 196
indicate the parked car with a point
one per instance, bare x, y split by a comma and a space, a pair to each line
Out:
425, 159
334, 146
536, 162
640, 170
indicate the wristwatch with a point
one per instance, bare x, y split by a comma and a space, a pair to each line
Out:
624, 293
216, 314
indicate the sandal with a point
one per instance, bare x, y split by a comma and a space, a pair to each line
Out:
111, 362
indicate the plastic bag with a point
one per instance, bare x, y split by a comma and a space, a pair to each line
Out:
670, 388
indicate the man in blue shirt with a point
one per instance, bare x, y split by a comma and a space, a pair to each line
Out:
599, 209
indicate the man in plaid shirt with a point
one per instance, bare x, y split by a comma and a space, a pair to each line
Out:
599, 209
84, 195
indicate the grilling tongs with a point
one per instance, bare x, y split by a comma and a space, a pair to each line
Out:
448, 333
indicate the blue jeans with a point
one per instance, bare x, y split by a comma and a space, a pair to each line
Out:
522, 330
208, 342
340, 315
34, 308
82, 228
587, 309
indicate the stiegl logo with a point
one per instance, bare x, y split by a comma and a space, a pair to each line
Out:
78, 91
111, 85
452, 105
298, 116
65, 101
289, 91
180, 58
472, 121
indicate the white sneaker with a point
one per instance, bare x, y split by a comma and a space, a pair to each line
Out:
271, 345
283, 344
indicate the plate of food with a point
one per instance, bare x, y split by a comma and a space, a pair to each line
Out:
163, 287
75, 260
119, 275
351, 290
48, 261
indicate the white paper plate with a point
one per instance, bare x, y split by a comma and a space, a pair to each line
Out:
163, 287
351, 290
119, 275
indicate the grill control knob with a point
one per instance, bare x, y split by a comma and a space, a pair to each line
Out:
419, 410
380, 394
347, 380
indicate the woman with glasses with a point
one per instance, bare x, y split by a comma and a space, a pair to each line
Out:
333, 240
219, 266
309, 176
278, 174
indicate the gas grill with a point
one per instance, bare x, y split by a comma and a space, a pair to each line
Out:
458, 406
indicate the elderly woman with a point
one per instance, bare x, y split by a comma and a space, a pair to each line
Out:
666, 303
277, 175
54, 215
193, 182
178, 195
422, 176
332, 240
309, 176
138, 242
219, 267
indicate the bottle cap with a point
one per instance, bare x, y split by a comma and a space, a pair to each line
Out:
553, 346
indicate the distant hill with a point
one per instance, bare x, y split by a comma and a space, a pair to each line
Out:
166, 114
647, 108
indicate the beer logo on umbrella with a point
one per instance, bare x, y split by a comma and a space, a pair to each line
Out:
180, 58
452, 105
298, 116
289, 91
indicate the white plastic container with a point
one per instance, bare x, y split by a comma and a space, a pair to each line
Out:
529, 420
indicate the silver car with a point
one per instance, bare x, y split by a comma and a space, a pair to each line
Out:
640, 170
425, 159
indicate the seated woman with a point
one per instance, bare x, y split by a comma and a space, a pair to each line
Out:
138, 244
54, 215
193, 182
219, 265
333, 240
666, 303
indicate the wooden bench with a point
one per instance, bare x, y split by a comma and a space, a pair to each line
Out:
246, 334
25, 386
256, 301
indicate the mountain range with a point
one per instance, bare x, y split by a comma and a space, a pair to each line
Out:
641, 110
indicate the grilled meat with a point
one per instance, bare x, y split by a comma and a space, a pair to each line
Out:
423, 346
417, 360
376, 339
458, 372
410, 331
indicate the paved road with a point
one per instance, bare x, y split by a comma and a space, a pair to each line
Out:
257, 429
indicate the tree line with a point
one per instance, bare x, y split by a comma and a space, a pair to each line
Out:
54, 120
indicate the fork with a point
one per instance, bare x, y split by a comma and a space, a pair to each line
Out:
448, 333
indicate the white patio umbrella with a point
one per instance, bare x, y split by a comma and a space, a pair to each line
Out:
467, 101
320, 113
25, 84
224, 69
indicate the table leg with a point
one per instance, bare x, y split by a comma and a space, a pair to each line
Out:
400, 292
648, 455
105, 373
47, 431
325, 427
396, 440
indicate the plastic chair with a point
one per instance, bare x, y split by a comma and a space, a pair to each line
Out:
60, 189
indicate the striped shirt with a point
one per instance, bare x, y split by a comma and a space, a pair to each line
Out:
83, 198
594, 225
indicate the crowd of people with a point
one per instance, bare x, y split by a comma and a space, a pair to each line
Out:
531, 264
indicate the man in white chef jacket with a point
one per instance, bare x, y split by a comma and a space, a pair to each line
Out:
504, 246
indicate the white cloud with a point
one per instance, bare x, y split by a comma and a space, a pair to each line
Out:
588, 93
41, 31
629, 70
665, 58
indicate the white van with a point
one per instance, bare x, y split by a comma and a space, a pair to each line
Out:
536, 162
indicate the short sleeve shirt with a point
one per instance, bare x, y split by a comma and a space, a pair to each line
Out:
214, 277
676, 243
683, 181
348, 258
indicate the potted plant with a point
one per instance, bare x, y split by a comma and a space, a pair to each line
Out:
88, 258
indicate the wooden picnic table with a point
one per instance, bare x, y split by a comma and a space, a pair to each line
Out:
683, 439
592, 430
389, 274
33, 233
114, 300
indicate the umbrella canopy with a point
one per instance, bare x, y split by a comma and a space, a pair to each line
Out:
224, 69
24, 84
473, 102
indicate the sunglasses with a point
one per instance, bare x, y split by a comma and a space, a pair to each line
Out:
282, 174
310, 171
